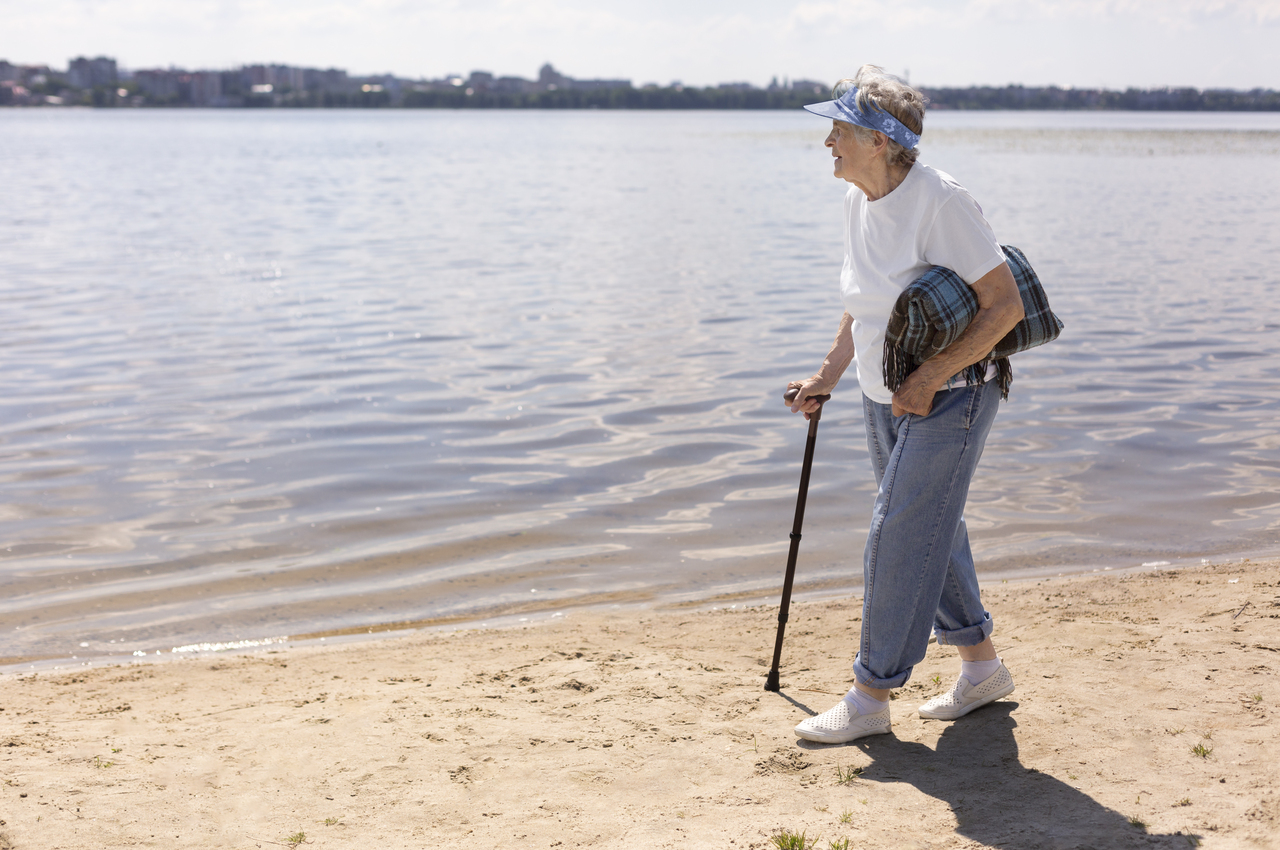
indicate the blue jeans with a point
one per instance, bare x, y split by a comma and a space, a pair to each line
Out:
917, 569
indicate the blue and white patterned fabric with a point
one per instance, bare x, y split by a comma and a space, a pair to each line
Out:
845, 108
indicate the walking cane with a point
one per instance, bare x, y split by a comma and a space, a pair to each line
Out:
771, 683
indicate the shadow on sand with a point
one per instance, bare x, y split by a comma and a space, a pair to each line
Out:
997, 801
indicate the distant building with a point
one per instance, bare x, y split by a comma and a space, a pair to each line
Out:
36, 75
281, 78
330, 80
808, 86
289, 78
85, 73
736, 86
388, 83
514, 85
600, 84
160, 85
233, 87
18, 81
206, 88
549, 79
11, 93
229, 88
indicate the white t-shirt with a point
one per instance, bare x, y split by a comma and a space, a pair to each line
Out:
929, 220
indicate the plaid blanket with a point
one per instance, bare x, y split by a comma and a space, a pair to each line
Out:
936, 308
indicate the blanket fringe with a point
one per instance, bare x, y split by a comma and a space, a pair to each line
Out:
977, 374
898, 365
1004, 377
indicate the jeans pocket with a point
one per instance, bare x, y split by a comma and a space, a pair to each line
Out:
974, 404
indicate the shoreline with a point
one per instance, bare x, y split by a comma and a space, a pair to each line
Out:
820, 589
1144, 712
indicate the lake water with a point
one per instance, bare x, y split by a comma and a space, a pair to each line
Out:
309, 373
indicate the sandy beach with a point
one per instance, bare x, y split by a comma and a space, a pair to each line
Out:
1143, 716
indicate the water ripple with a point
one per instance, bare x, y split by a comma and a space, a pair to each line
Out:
288, 374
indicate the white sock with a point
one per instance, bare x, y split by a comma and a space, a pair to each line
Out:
864, 702
979, 671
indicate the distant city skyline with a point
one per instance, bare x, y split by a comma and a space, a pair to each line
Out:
101, 82
1112, 44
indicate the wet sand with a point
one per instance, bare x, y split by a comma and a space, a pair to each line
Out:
1144, 715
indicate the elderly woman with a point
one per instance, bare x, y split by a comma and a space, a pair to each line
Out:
901, 217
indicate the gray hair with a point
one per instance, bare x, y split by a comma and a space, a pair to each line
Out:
878, 89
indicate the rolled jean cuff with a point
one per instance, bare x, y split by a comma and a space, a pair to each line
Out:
871, 680
968, 636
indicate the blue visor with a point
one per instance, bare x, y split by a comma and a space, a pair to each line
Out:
845, 108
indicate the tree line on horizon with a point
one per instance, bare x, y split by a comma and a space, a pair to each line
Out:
97, 82
689, 97
977, 97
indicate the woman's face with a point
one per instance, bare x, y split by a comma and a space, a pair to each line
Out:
851, 155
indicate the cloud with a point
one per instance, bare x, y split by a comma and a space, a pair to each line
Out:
953, 42
898, 15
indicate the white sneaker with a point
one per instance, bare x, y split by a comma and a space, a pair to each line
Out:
843, 723
965, 697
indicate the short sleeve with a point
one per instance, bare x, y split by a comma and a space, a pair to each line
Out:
962, 240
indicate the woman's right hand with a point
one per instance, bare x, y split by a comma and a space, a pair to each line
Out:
805, 400
837, 360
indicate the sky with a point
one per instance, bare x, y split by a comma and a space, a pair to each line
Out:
1083, 43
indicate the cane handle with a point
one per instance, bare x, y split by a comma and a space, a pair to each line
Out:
790, 396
